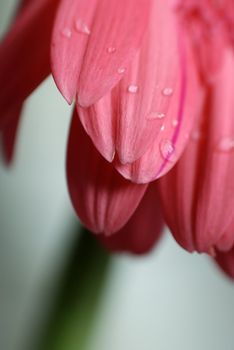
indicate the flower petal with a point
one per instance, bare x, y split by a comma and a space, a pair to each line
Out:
9, 133
170, 142
198, 194
103, 200
24, 53
142, 231
225, 261
129, 119
91, 40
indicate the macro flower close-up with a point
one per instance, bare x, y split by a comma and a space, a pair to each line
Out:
148, 86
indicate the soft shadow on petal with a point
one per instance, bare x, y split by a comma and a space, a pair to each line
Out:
143, 230
103, 200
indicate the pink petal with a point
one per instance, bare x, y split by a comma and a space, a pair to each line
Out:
9, 133
102, 199
24, 53
225, 261
170, 142
91, 41
128, 120
142, 231
211, 27
99, 122
198, 194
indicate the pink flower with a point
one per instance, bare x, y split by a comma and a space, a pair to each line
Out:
142, 73
198, 193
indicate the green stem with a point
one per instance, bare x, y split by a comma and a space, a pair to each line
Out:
78, 301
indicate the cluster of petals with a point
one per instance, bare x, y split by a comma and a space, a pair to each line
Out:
152, 127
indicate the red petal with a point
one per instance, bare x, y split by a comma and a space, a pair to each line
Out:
9, 133
103, 200
198, 194
225, 260
142, 231
170, 142
91, 40
25, 52
129, 119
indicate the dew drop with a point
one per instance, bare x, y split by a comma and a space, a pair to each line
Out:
167, 91
196, 135
111, 49
66, 33
155, 116
162, 127
121, 70
81, 27
167, 149
175, 122
226, 144
133, 89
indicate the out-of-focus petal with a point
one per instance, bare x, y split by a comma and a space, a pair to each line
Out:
103, 200
198, 194
9, 133
210, 26
142, 231
225, 261
25, 53
129, 119
91, 41
170, 142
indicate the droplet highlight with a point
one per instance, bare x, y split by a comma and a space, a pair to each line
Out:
175, 122
121, 70
133, 89
111, 49
167, 91
196, 135
167, 149
155, 116
226, 144
66, 33
82, 27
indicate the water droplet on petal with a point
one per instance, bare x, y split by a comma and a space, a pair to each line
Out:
167, 149
175, 122
121, 70
226, 144
81, 27
155, 116
162, 127
66, 33
167, 91
133, 89
111, 49
196, 135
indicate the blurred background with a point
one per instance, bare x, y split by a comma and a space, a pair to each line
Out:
166, 300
